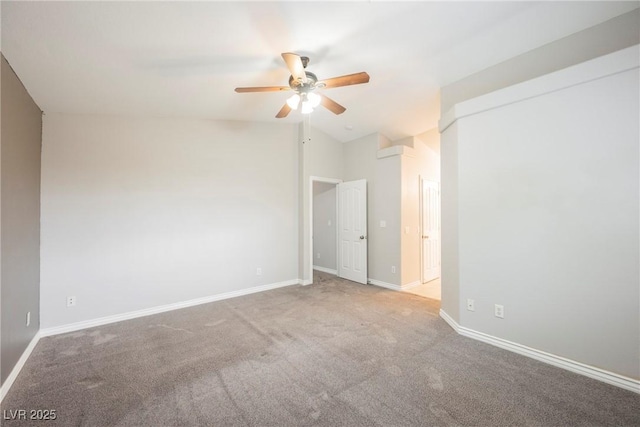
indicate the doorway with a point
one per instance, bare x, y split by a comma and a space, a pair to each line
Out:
430, 201
430, 239
338, 218
324, 230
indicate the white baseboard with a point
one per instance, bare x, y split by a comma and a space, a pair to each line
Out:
410, 285
454, 325
18, 367
161, 309
325, 270
552, 359
385, 284
393, 287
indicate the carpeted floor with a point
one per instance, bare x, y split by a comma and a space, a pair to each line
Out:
332, 354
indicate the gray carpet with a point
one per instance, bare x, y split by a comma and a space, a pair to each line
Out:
332, 354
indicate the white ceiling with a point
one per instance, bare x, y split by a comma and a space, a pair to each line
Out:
183, 59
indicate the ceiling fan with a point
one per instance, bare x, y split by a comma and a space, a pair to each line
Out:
304, 83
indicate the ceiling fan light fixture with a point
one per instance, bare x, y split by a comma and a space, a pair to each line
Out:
306, 107
294, 101
313, 99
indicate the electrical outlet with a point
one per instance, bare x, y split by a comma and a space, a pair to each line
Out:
71, 301
258, 271
393, 268
499, 311
28, 318
471, 304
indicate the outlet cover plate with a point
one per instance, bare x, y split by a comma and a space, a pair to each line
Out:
471, 304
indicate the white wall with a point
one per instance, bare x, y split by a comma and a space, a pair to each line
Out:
417, 161
548, 209
392, 173
324, 225
138, 213
612, 35
431, 139
320, 156
383, 192
21, 141
450, 301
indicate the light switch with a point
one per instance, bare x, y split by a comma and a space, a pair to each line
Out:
406, 230
329, 223
383, 224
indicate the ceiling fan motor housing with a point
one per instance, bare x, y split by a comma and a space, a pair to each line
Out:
311, 84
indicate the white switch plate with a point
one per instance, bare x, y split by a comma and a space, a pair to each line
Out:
393, 268
329, 223
383, 224
499, 311
258, 271
28, 318
407, 230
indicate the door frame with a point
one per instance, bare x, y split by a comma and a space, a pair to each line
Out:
334, 181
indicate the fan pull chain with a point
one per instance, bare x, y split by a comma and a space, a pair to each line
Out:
306, 128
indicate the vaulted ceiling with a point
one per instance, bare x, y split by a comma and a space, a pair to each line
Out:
184, 59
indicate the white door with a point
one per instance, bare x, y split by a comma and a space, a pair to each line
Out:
430, 230
352, 238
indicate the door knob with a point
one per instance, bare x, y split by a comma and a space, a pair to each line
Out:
361, 237
425, 237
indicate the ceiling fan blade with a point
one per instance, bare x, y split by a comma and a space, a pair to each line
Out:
331, 105
262, 89
284, 111
294, 64
349, 79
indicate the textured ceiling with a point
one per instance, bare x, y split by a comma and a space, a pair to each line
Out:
183, 59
